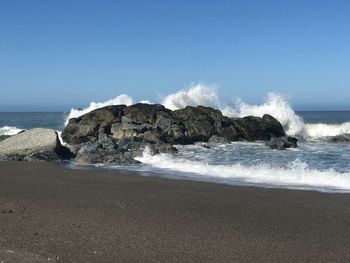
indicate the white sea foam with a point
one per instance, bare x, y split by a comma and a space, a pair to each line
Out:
275, 105
320, 130
197, 94
295, 174
59, 134
8, 130
207, 95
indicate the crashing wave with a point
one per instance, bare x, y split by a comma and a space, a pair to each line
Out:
207, 95
198, 94
295, 174
121, 99
321, 130
277, 106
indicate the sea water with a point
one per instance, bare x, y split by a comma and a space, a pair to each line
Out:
317, 164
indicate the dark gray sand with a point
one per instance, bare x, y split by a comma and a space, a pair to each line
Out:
52, 214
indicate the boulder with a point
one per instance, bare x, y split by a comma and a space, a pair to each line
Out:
104, 150
88, 154
281, 143
260, 129
151, 137
129, 129
34, 144
105, 141
165, 148
144, 113
201, 123
170, 128
81, 129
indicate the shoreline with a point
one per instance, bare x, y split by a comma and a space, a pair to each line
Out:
97, 215
195, 177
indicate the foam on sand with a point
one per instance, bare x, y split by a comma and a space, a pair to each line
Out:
295, 174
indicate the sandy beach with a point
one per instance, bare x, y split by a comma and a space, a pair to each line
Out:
49, 213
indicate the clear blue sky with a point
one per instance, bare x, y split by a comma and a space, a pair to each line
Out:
59, 54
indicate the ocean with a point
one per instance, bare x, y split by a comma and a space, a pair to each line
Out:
318, 163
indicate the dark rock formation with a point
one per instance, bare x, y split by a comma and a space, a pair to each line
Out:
201, 123
117, 134
281, 143
260, 129
84, 128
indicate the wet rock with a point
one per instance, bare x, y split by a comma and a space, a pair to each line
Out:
166, 148
144, 113
129, 129
79, 130
105, 141
281, 143
218, 139
200, 122
84, 159
121, 159
170, 128
151, 137
260, 129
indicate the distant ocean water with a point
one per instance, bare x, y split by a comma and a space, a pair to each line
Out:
11, 122
56, 120
317, 164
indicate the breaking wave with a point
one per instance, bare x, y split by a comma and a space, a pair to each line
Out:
196, 95
321, 130
121, 99
8, 130
207, 95
294, 175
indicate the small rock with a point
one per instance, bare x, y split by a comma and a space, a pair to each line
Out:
281, 143
5, 211
218, 139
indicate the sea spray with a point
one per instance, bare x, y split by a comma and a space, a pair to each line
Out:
321, 130
199, 94
207, 95
121, 99
277, 106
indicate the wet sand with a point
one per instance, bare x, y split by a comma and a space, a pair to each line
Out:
49, 213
